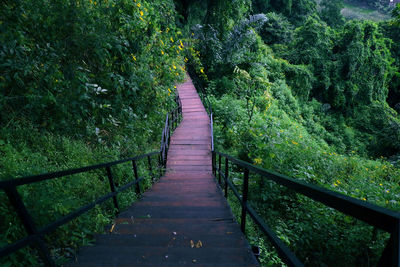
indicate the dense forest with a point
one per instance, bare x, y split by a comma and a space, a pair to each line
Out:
295, 88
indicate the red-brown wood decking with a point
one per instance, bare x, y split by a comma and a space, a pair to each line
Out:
183, 219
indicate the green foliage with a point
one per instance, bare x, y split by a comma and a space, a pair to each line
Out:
396, 15
296, 11
104, 57
381, 5
320, 116
391, 29
330, 12
277, 29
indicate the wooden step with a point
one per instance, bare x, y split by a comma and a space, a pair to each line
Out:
185, 205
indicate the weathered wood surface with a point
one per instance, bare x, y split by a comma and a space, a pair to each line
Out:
185, 205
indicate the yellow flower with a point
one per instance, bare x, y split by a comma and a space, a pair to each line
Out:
141, 13
169, 90
257, 161
167, 30
162, 52
337, 181
364, 199
294, 142
162, 42
181, 43
174, 67
180, 48
141, 18
133, 57
138, 4
186, 60
172, 39
201, 70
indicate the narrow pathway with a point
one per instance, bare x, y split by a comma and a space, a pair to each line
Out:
184, 219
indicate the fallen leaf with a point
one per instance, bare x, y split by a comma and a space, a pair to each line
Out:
191, 244
174, 233
199, 244
112, 228
194, 261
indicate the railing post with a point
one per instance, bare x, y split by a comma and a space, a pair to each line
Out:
219, 169
396, 245
244, 199
28, 224
160, 163
112, 187
169, 138
136, 177
173, 120
391, 254
213, 161
150, 168
226, 177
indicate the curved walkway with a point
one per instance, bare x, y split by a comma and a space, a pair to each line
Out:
184, 218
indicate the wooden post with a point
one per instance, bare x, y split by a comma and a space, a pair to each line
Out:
150, 168
29, 225
136, 177
112, 187
219, 169
244, 199
226, 177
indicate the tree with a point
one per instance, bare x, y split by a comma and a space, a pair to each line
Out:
277, 29
365, 64
330, 12
312, 46
296, 11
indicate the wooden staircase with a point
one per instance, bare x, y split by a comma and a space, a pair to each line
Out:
184, 219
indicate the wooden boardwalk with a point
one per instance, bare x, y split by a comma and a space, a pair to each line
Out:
184, 218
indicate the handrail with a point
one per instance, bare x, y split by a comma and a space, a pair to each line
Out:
36, 236
171, 122
379, 217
